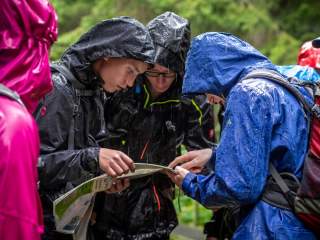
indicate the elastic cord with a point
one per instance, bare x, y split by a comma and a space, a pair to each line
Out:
156, 197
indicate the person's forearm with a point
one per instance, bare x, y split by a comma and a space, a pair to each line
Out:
58, 168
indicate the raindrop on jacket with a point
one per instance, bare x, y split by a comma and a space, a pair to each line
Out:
27, 29
262, 123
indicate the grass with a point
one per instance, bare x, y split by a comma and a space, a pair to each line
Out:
191, 212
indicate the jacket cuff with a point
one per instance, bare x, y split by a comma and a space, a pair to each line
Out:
91, 162
212, 161
187, 181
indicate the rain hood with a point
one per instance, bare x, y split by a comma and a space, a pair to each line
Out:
24, 48
118, 37
309, 56
171, 36
217, 61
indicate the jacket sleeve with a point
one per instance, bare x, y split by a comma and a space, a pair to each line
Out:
20, 208
241, 159
199, 125
60, 165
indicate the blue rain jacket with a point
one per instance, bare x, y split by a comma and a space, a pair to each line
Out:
262, 122
303, 73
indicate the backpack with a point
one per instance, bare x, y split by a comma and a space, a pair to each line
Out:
304, 198
4, 91
79, 90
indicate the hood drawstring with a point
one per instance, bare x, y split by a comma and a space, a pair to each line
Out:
156, 196
155, 192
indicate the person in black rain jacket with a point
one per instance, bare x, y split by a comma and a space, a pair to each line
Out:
149, 122
71, 118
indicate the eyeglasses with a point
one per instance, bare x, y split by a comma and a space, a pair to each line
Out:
158, 74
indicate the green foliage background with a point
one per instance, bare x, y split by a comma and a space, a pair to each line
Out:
275, 27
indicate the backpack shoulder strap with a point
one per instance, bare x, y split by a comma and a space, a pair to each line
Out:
277, 78
60, 67
4, 91
288, 193
80, 89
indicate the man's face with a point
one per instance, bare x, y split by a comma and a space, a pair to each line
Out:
119, 73
160, 78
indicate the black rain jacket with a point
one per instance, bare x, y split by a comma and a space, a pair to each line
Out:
71, 118
151, 131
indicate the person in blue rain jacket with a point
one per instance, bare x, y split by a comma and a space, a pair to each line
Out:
262, 123
303, 73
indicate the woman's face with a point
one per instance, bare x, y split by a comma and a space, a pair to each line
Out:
160, 79
118, 73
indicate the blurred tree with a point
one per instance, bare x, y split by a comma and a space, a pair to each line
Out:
298, 18
276, 27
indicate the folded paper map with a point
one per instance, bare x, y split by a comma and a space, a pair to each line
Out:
72, 210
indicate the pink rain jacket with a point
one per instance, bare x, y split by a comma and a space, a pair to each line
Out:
27, 29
